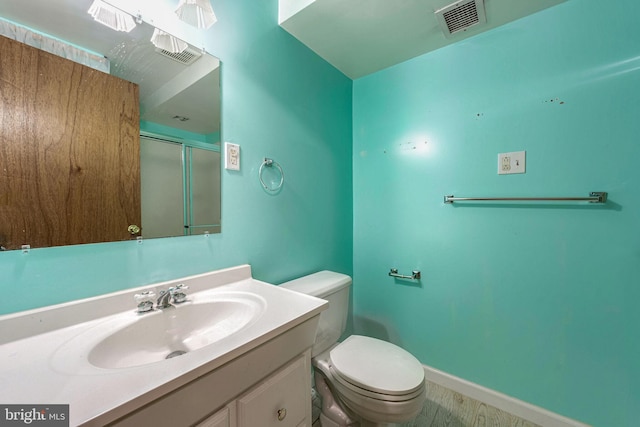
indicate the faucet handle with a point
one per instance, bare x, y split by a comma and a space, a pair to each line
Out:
144, 301
177, 293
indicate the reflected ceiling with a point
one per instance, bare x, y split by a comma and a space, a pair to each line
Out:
162, 80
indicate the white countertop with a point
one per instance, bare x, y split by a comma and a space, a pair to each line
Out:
36, 367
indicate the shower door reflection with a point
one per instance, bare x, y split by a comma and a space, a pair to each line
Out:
180, 188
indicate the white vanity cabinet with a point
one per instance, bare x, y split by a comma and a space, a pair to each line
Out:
253, 390
281, 400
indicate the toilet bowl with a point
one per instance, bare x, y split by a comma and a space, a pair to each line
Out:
376, 380
362, 380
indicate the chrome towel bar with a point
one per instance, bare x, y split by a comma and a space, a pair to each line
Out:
594, 197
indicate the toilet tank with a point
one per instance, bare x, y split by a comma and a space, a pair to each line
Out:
333, 287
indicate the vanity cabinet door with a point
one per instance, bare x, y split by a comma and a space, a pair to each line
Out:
282, 400
222, 418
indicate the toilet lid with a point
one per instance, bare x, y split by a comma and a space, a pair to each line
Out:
377, 365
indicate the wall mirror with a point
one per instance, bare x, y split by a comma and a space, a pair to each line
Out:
179, 118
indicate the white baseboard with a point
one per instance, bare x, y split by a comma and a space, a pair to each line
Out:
501, 401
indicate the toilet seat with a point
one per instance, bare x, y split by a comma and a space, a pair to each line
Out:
348, 388
377, 369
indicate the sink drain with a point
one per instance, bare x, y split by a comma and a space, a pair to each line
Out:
175, 354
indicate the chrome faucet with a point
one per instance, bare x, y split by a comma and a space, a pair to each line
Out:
163, 299
173, 293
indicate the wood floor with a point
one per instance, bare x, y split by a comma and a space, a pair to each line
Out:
446, 408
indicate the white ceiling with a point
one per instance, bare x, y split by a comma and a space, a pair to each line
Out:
165, 85
360, 37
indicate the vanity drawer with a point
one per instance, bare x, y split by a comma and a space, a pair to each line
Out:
282, 400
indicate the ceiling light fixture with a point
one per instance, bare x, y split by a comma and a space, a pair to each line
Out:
197, 13
166, 41
112, 17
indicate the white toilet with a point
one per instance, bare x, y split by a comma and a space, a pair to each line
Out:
363, 381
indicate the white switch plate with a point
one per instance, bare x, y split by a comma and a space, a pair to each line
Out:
513, 162
231, 156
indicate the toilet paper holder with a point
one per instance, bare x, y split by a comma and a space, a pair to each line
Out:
415, 274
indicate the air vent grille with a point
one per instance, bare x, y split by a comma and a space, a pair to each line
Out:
460, 16
186, 57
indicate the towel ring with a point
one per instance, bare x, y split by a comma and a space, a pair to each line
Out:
271, 163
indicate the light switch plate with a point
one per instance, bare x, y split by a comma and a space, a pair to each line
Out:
514, 162
231, 156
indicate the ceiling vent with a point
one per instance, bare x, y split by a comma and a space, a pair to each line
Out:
186, 57
460, 16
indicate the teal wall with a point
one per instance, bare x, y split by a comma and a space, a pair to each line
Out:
537, 301
280, 100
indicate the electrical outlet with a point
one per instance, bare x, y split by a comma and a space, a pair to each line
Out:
505, 164
513, 162
231, 156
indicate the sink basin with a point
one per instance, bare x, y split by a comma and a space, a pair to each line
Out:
132, 339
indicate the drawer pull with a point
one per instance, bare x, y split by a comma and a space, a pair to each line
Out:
282, 413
